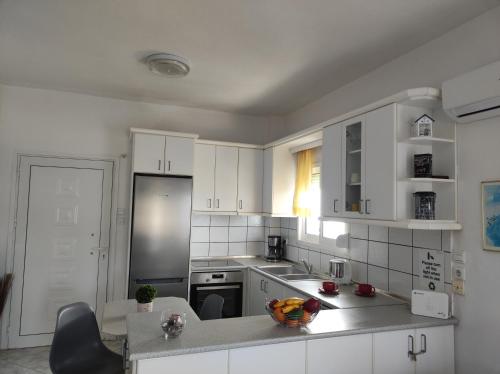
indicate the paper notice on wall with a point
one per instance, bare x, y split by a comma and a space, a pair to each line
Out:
431, 272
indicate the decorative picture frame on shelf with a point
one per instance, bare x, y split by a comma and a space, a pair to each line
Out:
490, 212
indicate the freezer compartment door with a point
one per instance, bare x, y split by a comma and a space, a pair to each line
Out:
177, 287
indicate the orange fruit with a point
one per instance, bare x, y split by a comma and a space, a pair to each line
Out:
278, 314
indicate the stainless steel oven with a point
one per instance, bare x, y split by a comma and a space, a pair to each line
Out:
228, 284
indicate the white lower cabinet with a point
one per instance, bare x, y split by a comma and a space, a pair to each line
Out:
261, 288
346, 354
434, 348
286, 358
207, 362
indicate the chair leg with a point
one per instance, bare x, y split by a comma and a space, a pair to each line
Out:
124, 354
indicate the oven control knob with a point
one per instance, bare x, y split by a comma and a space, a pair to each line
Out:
207, 280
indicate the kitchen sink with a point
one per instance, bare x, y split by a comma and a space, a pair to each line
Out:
296, 277
282, 270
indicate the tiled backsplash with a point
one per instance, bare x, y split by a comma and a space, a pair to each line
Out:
384, 257
226, 235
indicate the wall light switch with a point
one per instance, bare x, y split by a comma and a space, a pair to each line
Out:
458, 271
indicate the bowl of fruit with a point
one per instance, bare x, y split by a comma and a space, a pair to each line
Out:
294, 311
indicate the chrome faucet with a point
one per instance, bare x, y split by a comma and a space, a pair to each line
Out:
308, 266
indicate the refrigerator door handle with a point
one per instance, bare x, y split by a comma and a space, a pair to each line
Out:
158, 280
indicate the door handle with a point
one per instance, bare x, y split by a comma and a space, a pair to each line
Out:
217, 203
361, 202
366, 206
335, 205
241, 204
209, 203
411, 348
169, 165
265, 286
423, 344
159, 164
261, 286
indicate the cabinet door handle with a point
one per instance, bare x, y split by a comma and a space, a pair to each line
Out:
209, 203
411, 348
159, 164
217, 203
241, 204
169, 166
367, 201
361, 202
265, 286
335, 206
261, 286
423, 344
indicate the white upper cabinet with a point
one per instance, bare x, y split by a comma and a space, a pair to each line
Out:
149, 153
179, 154
380, 164
331, 172
160, 154
250, 179
204, 177
358, 173
226, 178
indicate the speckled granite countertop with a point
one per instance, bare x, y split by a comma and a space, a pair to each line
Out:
146, 339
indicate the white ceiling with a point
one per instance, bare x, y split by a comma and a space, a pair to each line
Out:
248, 56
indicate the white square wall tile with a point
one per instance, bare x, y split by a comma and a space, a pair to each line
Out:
378, 254
219, 220
255, 234
255, 248
315, 260
238, 220
358, 250
199, 234
378, 233
358, 231
284, 222
400, 236
292, 224
430, 239
400, 283
359, 271
325, 263
238, 234
275, 222
199, 249
292, 253
255, 221
200, 220
292, 237
237, 249
303, 254
273, 231
378, 277
218, 249
219, 234
284, 233
401, 258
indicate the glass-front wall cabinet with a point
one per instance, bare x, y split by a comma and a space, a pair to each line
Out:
353, 167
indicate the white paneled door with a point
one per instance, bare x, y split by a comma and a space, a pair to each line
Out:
61, 243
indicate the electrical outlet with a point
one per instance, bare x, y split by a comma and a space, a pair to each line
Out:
458, 287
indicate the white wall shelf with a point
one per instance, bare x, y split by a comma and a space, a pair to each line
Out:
413, 224
429, 180
427, 140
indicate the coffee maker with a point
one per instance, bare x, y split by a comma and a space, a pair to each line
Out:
274, 249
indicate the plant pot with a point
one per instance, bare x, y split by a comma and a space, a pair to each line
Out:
146, 307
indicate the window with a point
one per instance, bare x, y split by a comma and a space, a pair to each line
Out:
311, 229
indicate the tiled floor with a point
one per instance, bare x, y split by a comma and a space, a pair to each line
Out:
34, 360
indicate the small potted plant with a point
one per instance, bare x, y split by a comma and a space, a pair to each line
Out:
144, 296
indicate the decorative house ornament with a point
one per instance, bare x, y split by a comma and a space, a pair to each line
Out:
423, 126
490, 193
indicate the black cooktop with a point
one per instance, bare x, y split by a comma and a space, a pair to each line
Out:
214, 263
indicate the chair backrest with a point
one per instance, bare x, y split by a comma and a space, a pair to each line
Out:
5, 285
212, 307
76, 336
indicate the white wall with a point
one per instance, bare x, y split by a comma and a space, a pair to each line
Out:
60, 123
467, 47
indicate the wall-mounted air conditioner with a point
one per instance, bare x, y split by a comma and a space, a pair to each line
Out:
474, 95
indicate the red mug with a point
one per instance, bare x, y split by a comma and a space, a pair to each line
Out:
365, 288
329, 287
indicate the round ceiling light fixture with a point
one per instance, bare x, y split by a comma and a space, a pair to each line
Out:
167, 64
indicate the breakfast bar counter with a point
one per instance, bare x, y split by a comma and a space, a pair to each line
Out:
216, 341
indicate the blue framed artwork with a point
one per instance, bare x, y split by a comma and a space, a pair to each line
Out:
491, 215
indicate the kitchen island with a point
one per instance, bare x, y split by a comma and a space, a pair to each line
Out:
385, 339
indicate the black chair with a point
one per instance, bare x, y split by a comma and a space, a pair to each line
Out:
212, 307
77, 347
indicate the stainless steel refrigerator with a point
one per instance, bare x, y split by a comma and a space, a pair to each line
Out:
161, 228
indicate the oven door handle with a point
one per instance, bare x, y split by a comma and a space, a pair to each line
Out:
203, 288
